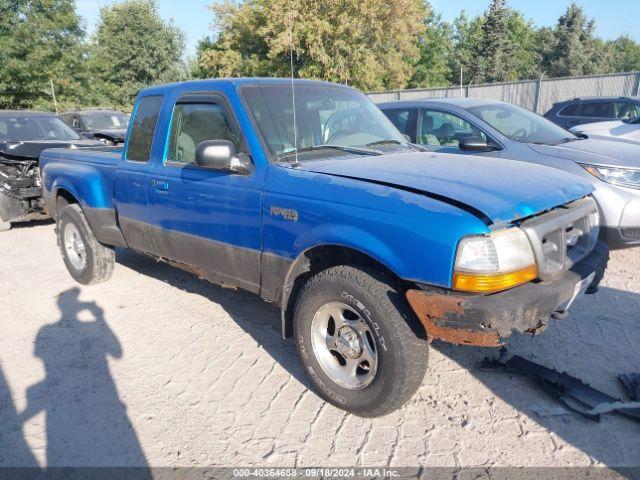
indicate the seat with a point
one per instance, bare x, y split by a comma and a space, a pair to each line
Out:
426, 137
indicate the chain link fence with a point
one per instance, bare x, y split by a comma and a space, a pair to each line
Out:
536, 95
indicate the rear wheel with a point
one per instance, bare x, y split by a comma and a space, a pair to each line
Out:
88, 261
360, 347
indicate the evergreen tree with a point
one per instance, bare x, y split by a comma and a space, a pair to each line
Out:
574, 49
495, 54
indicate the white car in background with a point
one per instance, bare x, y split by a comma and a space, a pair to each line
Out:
618, 129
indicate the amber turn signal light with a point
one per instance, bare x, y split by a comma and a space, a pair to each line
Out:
468, 282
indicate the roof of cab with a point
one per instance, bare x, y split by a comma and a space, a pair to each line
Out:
236, 82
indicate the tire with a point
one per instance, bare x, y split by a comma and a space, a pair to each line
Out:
387, 332
88, 261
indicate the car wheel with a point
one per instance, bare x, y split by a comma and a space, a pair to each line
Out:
88, 261
361, 347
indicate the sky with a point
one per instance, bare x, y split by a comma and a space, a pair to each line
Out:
613, 17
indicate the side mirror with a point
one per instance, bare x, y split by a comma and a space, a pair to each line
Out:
219, 155
474, 144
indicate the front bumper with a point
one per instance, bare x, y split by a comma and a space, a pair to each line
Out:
487, 320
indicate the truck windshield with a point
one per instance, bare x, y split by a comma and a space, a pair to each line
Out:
106, 121
330, 120
24, 129
521, 125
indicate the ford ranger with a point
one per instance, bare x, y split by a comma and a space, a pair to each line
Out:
306, 194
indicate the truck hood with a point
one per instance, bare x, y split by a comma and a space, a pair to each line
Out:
31, 150
594, 151
501, 190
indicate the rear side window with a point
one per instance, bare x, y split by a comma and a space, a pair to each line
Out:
143, 129
400, 118
569, 110
594, 109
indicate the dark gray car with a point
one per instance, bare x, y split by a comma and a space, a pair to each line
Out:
497, 129
23, 137
579, 111
108, 126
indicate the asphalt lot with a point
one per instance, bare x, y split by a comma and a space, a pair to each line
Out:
158, 368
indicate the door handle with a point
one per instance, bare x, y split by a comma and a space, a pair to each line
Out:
160, 185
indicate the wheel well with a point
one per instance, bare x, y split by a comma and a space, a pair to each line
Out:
316, 260
64, 198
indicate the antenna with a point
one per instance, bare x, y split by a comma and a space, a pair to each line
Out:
293, 90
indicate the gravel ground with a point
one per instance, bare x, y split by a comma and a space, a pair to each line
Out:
158, 368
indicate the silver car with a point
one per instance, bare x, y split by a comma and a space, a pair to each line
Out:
498, 129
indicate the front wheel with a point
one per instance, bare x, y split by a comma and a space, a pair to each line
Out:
88, 261
361, 349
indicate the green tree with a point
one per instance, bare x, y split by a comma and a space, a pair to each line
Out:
495, 60
625, 53
467, 35
366, 43
40, 41
574, 50
133, 47
433, 68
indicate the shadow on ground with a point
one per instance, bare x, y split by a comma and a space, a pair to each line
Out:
86, 423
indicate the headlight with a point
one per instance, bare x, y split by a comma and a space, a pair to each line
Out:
624, 177
495, 262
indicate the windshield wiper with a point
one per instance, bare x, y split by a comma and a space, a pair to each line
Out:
396, 142
569, 139
356, 150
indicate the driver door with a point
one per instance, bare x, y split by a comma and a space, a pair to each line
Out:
207, 219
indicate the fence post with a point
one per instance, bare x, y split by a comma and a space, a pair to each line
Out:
637, 84
399, 95
536, 107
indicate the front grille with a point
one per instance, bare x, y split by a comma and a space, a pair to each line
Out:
563, 237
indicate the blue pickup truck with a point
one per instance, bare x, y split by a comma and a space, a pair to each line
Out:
306, 194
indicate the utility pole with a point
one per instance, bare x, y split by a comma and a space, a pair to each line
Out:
53, 94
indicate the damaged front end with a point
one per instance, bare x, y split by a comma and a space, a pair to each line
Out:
569, 261
20, 190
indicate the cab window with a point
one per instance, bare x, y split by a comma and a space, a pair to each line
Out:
143, 129
193, 123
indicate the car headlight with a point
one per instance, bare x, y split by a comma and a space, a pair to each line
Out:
495, 262
624, 177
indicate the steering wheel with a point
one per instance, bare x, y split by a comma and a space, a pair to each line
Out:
340, 133
521, 133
